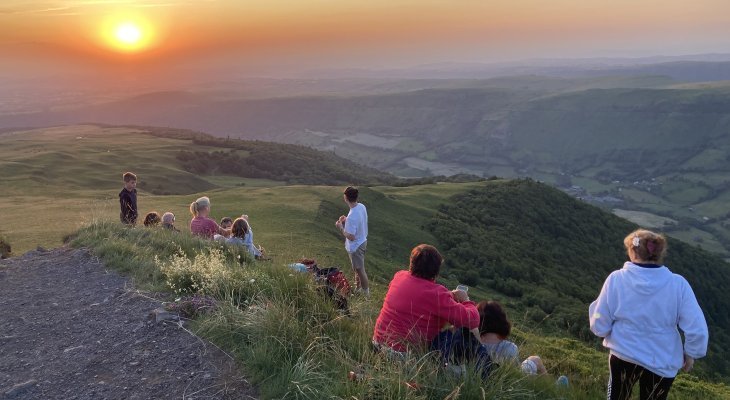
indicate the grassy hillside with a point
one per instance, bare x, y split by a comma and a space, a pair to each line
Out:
549, 254
315, 348
294, 344
60, 178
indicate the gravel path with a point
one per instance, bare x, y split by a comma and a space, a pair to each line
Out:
70, 329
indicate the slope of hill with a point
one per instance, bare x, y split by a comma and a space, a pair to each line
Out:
60, 177
550, 254
294, 344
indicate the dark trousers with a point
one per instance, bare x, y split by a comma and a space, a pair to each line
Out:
459, 347
625, 374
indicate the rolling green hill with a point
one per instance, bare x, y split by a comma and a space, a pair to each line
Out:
473, 223
66, 176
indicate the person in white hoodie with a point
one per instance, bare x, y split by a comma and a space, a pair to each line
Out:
639, 312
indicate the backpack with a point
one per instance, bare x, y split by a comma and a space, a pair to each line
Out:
334, 284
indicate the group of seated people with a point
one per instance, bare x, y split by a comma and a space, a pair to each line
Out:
420, 314
233, 232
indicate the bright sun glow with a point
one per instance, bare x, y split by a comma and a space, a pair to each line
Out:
128, 35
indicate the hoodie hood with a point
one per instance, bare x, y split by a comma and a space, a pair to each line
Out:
646, 281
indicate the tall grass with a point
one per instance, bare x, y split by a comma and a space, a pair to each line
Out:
294, 343
5, 248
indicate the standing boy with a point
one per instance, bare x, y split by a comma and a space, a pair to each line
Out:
128, 199
354, 228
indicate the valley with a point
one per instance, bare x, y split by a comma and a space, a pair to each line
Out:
650, 144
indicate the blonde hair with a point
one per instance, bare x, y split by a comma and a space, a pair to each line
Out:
168, 218
199, 204
646, 245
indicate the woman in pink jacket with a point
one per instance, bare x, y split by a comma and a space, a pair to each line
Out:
416, 308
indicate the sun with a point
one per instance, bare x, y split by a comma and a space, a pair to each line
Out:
129, 34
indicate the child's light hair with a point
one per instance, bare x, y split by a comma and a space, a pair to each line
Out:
128, 177
646, 245
168, 218
199, 204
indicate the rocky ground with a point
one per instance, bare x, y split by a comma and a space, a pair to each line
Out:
71, 329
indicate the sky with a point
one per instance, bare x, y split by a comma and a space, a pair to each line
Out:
363, 33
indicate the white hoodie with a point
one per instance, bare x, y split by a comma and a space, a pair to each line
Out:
638, 312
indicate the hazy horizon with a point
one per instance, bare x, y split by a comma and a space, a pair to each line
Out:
345, 34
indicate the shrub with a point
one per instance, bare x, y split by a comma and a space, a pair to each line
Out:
5, 248
204, 273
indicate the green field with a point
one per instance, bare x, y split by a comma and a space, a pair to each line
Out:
60, 184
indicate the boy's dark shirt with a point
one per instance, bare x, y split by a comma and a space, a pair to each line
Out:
128, 205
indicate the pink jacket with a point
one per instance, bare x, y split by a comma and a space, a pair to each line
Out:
415, 310
202, 226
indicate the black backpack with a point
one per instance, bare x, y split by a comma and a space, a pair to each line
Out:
333, 283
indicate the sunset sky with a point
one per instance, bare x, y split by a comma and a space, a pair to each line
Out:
373, 33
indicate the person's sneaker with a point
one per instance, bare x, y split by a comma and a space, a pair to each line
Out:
361, 292
457, 371
562, 381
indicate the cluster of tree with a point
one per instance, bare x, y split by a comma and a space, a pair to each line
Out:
283, 162
550, 254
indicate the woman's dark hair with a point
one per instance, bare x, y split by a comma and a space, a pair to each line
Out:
425, 262
351, 194
152, 219
493, 319
239, 228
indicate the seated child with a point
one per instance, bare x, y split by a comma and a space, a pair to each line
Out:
152, 219
226, 223
494, 328
168, 221
240, 231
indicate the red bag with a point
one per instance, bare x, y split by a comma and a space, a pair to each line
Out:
334, 284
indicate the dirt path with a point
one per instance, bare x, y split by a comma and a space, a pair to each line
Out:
70, 329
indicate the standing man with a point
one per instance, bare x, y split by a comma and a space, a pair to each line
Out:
354, 228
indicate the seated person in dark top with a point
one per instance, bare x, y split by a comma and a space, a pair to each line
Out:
152, 219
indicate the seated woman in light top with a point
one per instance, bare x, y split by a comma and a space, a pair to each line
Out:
201, 225
639, 313
240, 234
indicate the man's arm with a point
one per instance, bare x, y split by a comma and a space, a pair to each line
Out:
347, 235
